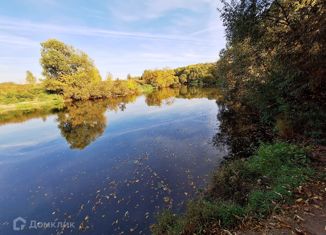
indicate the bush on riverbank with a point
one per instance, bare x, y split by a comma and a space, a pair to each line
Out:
242, 188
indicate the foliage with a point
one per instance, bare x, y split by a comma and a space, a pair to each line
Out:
160, 78
198, 74
195, 75
30, 78
243, 188
67, 70
72, 73
168, 223
146, 88
274, 62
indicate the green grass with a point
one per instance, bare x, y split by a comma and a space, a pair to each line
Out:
146, 88
15, 97
254, 187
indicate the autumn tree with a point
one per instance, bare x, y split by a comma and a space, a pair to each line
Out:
196, 74
274, 62
68, 71
30, 78
160, 78
109, 77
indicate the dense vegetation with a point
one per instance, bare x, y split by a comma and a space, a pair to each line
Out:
274, 63
198, 74
160, 78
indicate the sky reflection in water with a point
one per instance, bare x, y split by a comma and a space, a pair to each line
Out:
108, 166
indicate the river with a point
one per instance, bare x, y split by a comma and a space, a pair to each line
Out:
107, 167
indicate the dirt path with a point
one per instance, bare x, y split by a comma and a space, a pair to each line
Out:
308, 214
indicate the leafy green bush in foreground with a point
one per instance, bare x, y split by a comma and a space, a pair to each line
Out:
253, 187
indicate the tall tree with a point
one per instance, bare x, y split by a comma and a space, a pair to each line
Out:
67, 70
30, 78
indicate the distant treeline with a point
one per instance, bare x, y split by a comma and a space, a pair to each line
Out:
195, 75
71, 74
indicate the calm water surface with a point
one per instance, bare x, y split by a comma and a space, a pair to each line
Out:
109, 166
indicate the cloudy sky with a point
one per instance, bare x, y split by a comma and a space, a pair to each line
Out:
121, 36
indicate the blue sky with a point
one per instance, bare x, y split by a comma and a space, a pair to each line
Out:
121, 36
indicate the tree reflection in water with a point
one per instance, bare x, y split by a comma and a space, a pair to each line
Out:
83, 122
168, 95
239, 129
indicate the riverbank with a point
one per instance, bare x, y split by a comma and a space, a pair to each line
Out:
26, 97
53, 102
307, 215
245, 190
29, 98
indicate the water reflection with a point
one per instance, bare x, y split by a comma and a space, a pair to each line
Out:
82, 122
239, 129
19, 116
168, 95
136, 156
156, 98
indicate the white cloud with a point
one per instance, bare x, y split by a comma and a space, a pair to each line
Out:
30, 27
16, 40
131, 10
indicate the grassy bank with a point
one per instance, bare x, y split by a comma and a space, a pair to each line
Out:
25, 97
242, 188
29, 98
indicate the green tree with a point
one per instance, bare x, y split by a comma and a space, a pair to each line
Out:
30, 78
196, 74
274, 62
109, 77
160, 78
67, 70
